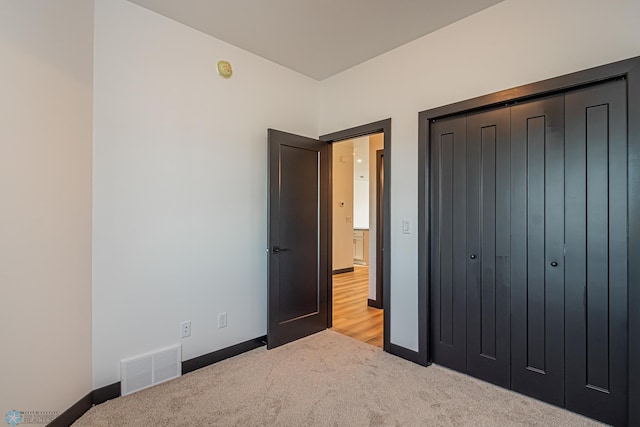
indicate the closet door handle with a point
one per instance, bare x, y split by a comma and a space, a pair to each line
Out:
473, 256
554, 264
277, 249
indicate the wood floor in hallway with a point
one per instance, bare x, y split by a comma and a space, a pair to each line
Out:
351, 314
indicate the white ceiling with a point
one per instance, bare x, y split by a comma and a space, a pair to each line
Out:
318, 38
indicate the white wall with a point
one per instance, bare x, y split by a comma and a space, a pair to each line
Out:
180, 190
510, 44
45, 213
342, 244
361, 183
361, 203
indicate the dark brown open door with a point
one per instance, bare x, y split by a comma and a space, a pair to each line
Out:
298, 237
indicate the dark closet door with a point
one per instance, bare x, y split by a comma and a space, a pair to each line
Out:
596, 252
488, 246
449, 254
537, 251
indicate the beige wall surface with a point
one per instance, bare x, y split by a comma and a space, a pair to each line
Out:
45, 214
342, 205
512, 43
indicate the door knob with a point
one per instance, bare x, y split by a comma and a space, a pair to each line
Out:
277, 249
554, 264
473, 256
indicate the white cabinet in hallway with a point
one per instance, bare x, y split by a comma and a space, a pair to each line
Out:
361, 246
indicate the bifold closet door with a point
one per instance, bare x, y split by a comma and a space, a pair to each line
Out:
537, 251
596, 252
470, 256
529, 262
449, 253
488, 246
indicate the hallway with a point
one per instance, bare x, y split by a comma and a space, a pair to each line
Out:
351, 314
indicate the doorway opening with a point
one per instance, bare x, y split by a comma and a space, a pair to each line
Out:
300, 224
357, 212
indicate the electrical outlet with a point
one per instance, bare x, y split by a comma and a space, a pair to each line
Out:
222, 320
185, 329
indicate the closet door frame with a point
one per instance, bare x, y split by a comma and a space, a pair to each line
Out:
630, 71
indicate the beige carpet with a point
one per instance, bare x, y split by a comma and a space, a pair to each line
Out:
326, 380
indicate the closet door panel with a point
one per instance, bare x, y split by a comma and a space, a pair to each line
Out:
596, 252
537, 224
448, 283
488, 246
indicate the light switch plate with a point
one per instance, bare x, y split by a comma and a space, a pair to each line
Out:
222, 320
406, 226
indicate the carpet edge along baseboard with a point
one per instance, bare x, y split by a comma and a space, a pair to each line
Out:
112, 391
